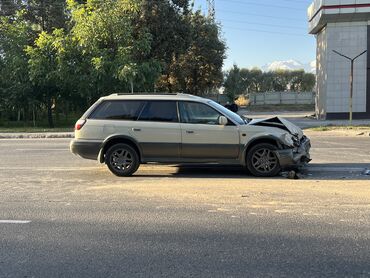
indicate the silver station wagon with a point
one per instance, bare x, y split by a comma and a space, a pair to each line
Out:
124, 131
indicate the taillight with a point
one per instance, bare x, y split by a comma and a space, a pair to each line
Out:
80, 124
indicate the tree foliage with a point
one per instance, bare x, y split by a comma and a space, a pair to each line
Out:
59, 57
242, 81
15, 86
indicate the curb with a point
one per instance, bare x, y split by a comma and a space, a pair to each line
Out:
51, 135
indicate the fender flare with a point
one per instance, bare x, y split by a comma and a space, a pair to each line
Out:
117, 137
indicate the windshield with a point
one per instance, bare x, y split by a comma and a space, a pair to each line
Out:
231, 115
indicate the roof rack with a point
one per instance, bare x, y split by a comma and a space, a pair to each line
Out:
145, 94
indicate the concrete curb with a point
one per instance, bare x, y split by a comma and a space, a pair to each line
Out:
40, 135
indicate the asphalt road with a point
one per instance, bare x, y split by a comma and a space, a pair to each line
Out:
78, 220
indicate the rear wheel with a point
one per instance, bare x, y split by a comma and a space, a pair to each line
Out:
122, 160
262, 160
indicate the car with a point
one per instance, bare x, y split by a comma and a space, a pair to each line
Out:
126, 130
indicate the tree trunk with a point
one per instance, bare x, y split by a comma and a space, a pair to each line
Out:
50, 113
169, 85
33, 115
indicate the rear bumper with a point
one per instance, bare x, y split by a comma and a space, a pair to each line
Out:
87, 149
296, 157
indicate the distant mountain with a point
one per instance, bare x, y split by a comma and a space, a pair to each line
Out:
290, 65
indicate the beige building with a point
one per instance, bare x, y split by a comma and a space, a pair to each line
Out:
343, 26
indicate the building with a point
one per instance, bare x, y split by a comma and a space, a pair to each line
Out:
343, 26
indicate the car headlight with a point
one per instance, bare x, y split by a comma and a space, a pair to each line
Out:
288, 140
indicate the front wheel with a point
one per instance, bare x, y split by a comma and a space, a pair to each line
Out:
122, 160
262, 160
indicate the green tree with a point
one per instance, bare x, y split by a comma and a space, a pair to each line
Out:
167, 22
15, 88
235, 82
10, 7
256, 79
44, 68
308, 82
114, 48
199, 69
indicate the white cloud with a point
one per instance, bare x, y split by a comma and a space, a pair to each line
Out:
290, 65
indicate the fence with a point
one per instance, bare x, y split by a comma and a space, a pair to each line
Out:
276, 98
271, 98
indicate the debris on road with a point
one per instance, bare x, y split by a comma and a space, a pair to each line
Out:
366, 172
292, 175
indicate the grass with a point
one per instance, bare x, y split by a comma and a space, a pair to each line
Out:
34, 129
333, 128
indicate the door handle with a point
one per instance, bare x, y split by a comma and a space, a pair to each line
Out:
190, 132
136, 129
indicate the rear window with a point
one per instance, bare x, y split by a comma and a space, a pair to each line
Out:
127, 110
159, 111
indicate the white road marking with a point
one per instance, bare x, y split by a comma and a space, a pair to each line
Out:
41, 150
51, 168
15, 221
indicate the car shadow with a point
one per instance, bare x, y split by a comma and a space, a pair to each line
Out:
314, 171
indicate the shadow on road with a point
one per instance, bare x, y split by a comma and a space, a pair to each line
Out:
328, 171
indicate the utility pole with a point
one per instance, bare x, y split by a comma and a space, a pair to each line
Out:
352, 60
211, 9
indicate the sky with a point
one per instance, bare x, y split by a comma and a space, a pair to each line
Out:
259, 32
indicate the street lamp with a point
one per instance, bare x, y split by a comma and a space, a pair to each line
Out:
351, 81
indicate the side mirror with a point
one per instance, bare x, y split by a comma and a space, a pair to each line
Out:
222, 120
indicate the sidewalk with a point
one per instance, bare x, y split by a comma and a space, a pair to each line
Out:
38, 135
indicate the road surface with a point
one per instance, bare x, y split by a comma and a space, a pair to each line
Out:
62, 216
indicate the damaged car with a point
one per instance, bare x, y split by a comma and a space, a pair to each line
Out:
126, 130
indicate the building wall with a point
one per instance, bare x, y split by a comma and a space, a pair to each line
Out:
321, 73
350, 39
344, 26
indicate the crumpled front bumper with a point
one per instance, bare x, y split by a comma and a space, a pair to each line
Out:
297, 156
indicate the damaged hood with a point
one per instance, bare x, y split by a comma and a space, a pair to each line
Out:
278, 122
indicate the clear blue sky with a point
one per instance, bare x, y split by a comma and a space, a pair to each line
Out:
258, 32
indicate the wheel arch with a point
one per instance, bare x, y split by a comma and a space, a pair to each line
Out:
118, 139
269, 139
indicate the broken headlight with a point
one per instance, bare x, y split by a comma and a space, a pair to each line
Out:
296, 140
288, 140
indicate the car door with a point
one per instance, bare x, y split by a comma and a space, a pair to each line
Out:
158, 132
202, 136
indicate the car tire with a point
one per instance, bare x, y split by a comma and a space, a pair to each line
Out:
262, 160
122, 160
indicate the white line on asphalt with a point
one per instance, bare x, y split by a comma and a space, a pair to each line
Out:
42, 150
15, 221
51, 169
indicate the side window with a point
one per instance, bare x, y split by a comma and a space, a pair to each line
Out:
198, 113
159, 111
118, 110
